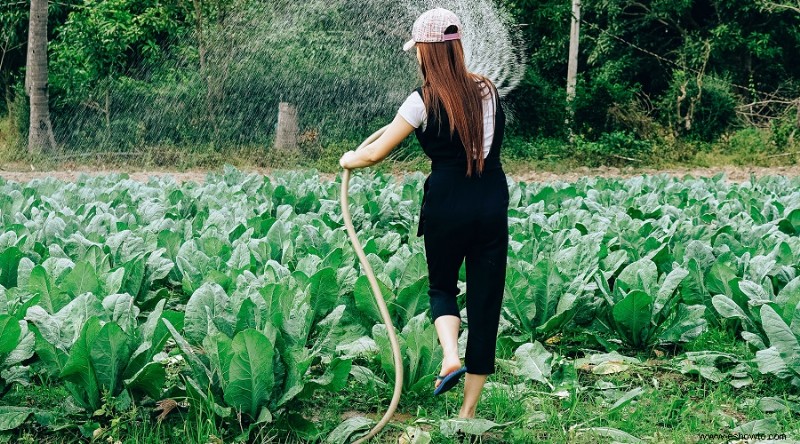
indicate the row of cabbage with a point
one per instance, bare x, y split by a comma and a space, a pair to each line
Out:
243, 295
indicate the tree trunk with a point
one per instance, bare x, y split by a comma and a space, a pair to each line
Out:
572, 65
40, 132
286, 136
798, 112
7, 95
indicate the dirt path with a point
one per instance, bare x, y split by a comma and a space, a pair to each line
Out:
733, 173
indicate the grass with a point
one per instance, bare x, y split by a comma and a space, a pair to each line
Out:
674, 408
748, 147
8, 139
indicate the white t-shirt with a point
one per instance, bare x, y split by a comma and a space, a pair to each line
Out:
413, 111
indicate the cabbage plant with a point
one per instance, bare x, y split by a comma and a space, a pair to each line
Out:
644, 310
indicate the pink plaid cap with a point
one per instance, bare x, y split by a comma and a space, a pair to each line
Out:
430, 27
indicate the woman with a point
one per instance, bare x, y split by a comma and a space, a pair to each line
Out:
459, 123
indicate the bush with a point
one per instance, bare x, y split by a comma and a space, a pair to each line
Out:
516, 147
536, 108
749, 142
714, 109
785, 131
672, 149
614, 148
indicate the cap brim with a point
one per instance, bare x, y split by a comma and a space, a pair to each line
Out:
409, 44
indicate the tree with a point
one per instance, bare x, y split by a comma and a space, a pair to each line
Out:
40, 134
102, 41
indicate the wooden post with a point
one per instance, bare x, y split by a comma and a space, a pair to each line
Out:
286, 135
572, 67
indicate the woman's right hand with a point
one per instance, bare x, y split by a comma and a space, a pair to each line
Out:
347, 159
378, 145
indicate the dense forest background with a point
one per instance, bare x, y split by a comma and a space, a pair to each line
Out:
657, 80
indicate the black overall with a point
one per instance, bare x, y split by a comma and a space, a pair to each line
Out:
466, 218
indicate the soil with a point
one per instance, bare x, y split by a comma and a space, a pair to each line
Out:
23, 173
732, 173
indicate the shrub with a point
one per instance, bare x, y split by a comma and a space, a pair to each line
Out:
613, 148
703, 114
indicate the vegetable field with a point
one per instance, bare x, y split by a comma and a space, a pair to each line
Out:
238, 305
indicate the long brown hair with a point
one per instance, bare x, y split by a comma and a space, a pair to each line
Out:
447, 83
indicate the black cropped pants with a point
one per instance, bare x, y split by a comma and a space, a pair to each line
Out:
467, 219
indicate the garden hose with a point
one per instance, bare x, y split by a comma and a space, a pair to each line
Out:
398, 362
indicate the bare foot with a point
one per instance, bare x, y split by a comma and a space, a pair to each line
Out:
449, 365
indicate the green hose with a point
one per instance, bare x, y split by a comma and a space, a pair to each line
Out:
398, 361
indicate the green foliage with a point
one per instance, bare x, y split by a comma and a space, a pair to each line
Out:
700, 109
243, 296
645, 310
637, 61
613, 148
13, 31
543, 298
98, 45
136, 75
16, 346
782, 358
102, 360
537, 107
102, 39
418, 347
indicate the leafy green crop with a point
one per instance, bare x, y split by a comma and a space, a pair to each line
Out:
782, 358
542, 299
243, 294
16, 346
418, 348
645, 310
116, 355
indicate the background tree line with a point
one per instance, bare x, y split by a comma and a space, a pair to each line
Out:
664, 73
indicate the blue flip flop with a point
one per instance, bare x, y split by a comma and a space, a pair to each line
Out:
449, 381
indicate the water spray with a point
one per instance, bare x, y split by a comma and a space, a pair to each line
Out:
333, 61
376, 291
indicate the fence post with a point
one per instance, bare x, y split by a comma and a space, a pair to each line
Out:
286, 134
